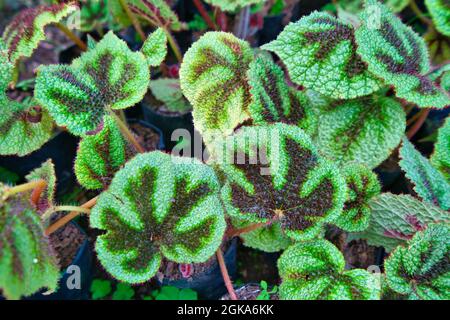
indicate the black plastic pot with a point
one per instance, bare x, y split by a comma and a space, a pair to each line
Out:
61, 149
209, 285
161, 145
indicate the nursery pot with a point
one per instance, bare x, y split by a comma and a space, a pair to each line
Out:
160, 144
209, 284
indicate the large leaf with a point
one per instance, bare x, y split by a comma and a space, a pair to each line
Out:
440, 13
394, 52
213, 79
429, 183
314, 270
440, 158
364, 130
320, 54
110, 76
158, 206
396, 218
275, 174
421, 269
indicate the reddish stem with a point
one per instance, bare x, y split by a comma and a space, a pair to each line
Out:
201, 9
418, 124
236, 232
225, 275
222, 20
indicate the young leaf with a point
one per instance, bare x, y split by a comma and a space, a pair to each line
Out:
78, 96
421, 269
440, 158
396, 218
362, 186
26, 30
158, 206
213, 79
429, 183
320, 54
232, 5
363, 130
275, 174
27, 262
155, 47
274, 101
169, 92
100, 156
394, 52
314, 270
440, 13
47, 173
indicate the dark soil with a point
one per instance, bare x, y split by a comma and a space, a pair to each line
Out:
148, 138
66, 242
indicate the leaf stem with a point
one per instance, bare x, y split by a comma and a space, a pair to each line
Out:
225, 275
201, 9
174, 45
24, 187
418, 124
72, 36
133, 19
236, 232
127, 133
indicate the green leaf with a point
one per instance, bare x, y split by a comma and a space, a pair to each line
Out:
100, 289
429, 183
26, 30
314, 270
274, 173
396, 218
362, 186
169, 92
395, 53
233, 5
47, 173
213, 79
8, 176
440, 13
274, 101
158, 206
78, 96
187, 294
94, 15
100, 156
356, 6
364, 130
320, 54
440, 158
421, 269
155, 47
27, 262
123, 292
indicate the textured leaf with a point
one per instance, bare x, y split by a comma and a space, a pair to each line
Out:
356, 6
274, 101
396, 218
320, 54
6, 71
440, 13
27, 263
274, 173
158, 206
110, 76
47, 173
395, 53
100, 156
440, 158
362, 186
155, 47
314, 270
232, 5
364, 130
429, 183
213, 79
421, 269
26, 30
169, 92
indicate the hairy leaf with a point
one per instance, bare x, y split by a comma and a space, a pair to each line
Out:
440, 158
274, 101
320, 54
440, 13
429, 183
158, 206
356, 6
26, 30
362, 186
233, 5
78, 96
395, 53
274, 173
421, 269
47, 173
396, 218
363, 130
169, 92
155, 47
314, 270
100, 156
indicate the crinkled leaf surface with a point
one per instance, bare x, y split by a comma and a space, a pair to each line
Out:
320, 54
155, 47
314, 270
440, 13
110, 76
395, 53
158, 206
356, 6
440, 158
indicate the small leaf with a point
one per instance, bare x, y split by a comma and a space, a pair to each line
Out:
440, 158
429, 183
155, 47
100, 289
169, 92
123, 292
440, 13
395, 53
233, 5
421, 269
314, 270
47, 173
320, 54
396, 218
